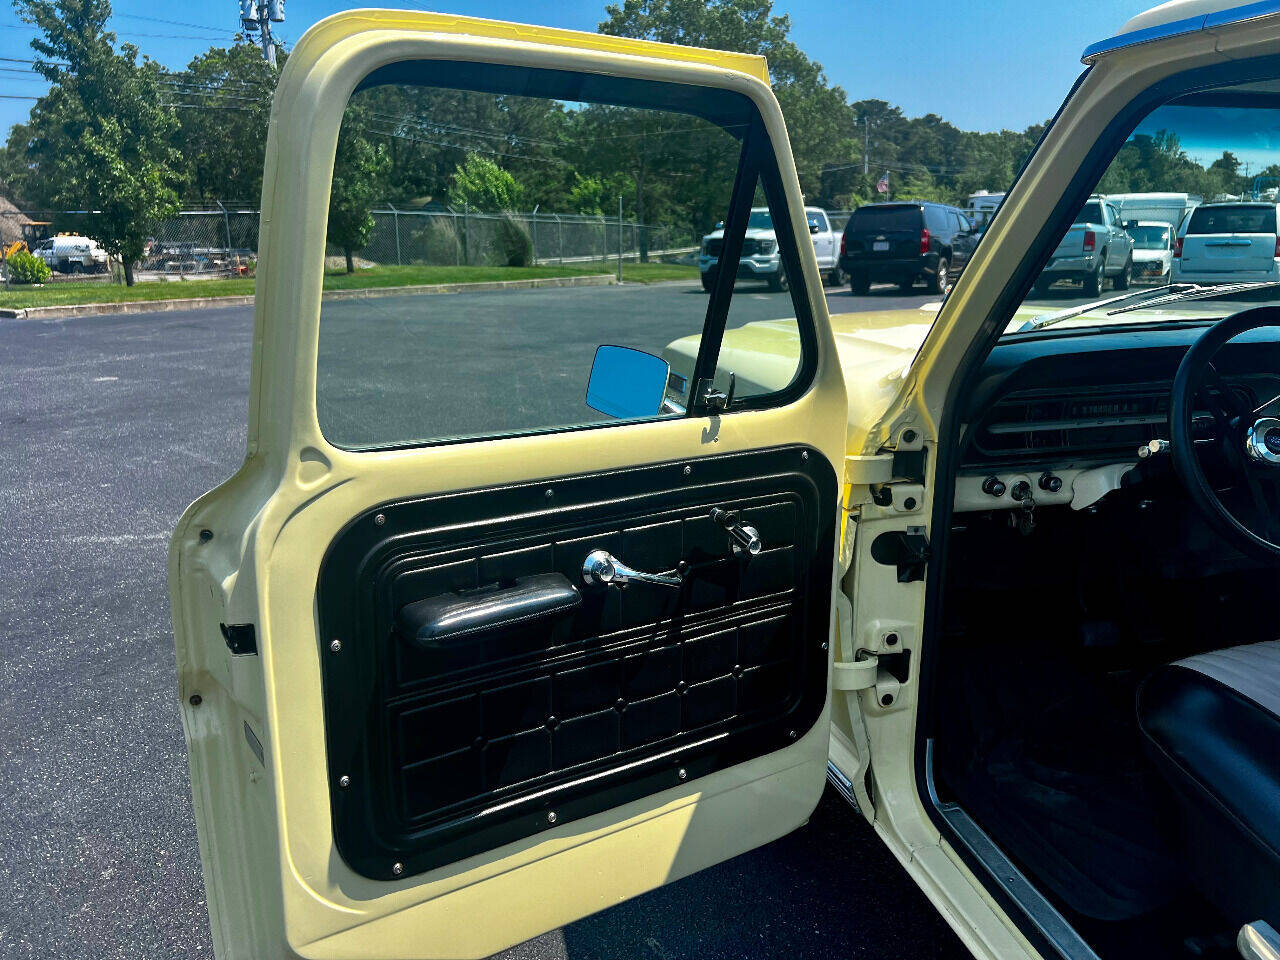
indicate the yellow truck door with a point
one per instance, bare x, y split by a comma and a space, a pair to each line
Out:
448, 686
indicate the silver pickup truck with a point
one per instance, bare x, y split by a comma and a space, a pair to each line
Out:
1095, 248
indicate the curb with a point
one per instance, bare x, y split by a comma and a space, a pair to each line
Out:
366, 293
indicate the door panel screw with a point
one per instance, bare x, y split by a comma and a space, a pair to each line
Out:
344, 781
551, 816
335, 645
886, 700
550, 493
891, 640
195, 700
397, 868
380, 519
908, 436
687, 470
791, 734
825, 645
206, 535
804, 454
682, 773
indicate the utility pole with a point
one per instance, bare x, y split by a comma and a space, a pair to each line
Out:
256, 16
866, 143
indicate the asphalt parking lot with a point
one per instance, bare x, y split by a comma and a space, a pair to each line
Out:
110, 426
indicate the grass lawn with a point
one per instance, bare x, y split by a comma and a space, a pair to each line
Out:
99, 292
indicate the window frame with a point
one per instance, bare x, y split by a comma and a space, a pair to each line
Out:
758, 168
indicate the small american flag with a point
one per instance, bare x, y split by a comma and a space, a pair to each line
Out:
882, 185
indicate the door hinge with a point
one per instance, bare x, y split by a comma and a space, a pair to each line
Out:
857, 675
908, 550
242, 639
909, 465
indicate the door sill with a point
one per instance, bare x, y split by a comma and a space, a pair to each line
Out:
843, 785
1000, 870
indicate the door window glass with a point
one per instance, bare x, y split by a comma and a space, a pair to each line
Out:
495, 213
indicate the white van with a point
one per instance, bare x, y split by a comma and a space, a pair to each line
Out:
1228, 242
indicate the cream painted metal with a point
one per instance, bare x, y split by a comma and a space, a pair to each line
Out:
249, 553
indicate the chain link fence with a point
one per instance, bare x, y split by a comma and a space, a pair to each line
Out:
222, 240
515, 239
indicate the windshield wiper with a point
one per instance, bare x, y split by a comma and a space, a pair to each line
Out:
1049, 319
1197, 292
1150, 297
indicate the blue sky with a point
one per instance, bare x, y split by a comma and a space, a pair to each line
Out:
982, 65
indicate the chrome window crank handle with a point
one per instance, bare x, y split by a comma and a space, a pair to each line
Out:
602, 567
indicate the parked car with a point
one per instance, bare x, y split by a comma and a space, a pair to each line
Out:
902, 242
1152, 249
1095, 248
72, 254
1228, 241
760, 259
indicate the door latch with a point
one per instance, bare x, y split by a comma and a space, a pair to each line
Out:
241, 638
908, 550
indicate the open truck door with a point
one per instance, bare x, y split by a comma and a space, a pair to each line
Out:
448, 683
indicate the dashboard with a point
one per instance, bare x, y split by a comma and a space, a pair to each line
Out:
1058, 417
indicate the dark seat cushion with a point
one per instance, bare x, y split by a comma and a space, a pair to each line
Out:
1213, 724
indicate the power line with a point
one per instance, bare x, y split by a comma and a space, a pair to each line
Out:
172, 23
123, 33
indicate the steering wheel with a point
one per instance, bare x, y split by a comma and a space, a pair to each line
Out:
1249, 442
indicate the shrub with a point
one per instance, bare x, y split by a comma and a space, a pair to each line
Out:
24, 267
436, 242
515, 246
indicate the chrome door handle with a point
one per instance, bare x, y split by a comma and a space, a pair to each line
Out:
602, 567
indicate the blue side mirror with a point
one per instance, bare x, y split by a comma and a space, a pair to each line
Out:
627, 384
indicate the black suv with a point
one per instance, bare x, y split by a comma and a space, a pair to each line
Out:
901, 242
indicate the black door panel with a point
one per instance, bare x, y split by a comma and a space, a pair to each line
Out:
456, 739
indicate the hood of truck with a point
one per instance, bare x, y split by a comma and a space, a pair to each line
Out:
766, 232
876, 350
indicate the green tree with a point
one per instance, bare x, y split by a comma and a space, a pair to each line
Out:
226, 98
818, 115
358, 171
100, 139
14, 171
480, 183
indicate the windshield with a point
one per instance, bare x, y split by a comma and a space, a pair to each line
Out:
759, 220
1189, 180
1151, 237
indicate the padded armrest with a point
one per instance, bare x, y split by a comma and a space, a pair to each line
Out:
442, 620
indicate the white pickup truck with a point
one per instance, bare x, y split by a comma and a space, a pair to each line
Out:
1095, 248
72, 254
760, 259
